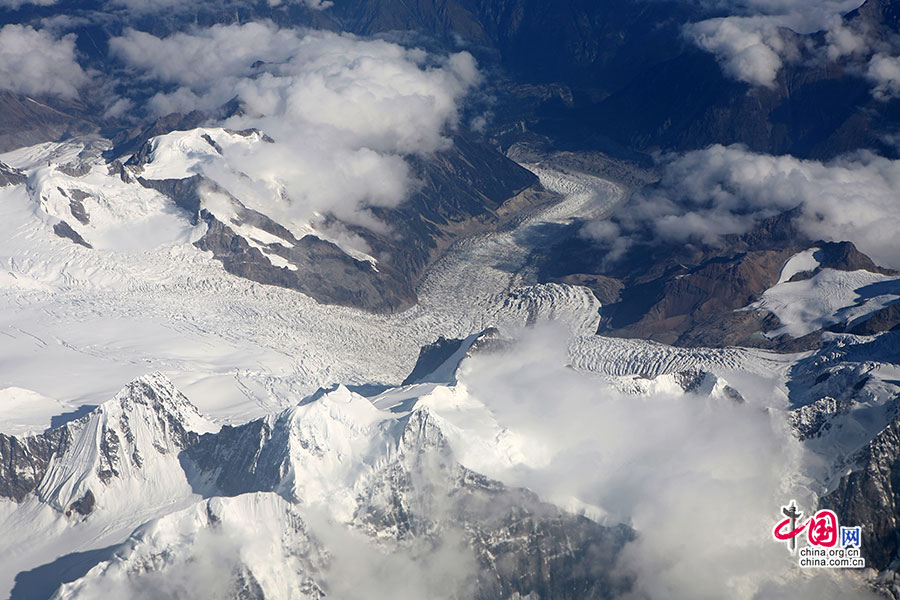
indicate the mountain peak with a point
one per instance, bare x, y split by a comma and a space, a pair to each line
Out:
128, 440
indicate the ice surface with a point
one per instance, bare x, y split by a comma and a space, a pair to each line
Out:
76, 325
95, 319
829, 297
799, 263
25, 412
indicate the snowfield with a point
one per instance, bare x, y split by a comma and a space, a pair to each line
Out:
828, 297
238, 349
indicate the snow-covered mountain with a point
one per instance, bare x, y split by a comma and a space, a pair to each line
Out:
408, 463
334, 465
311, 299
188, 186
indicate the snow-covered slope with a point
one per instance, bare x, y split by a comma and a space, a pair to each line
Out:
26, 413
432, 469
251, 546
127, 447
353, 485
237, 347
827, 298
71, 183
84, 481
406, 470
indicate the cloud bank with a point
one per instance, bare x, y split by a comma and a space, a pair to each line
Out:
701, 479
748, 49
758, 38
884, 72
721, 190
17, 3
343, 111
143, 7
36, 63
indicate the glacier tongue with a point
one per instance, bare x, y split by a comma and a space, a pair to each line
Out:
222, 338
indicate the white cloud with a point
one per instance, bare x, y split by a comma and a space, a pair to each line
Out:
314, 4
747, 49
802, 16
708, 193
149, 6
154, 6
36, 63
343, 111
753, 43
18, 3
844, 41
884, 72
701, 479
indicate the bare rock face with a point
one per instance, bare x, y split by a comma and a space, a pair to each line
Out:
682, 307
10, 176
693, 296
870, 497
439, 361
25, 121
885, 319
23, 461
463, 191
683, 295
64, 230
323, 271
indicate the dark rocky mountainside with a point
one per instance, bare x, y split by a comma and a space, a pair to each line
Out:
10, 176
616, 76
25, 121
407, 488
870, 497
97, 448
620, 74
466, 189
689, 295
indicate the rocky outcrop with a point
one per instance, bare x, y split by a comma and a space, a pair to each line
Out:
870, 497
24, 461
76, 205
885, 319
64, 230
694, 295
25, 121
841, 256
431, 357
10, 175
321, 270
465, 190
439, 361
184, 192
